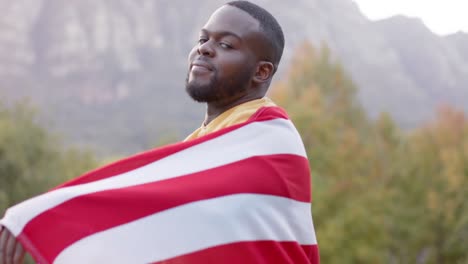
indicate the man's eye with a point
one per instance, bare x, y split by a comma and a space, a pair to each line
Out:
202, 40
225, 46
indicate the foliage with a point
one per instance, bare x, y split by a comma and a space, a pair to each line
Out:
436, 188
380, 195
31, 159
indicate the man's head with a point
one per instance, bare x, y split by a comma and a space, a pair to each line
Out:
237, 54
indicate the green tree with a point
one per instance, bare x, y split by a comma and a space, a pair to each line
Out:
433, 223
31, 159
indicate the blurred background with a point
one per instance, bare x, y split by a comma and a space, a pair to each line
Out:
378, 90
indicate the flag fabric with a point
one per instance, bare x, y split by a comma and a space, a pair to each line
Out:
238, 195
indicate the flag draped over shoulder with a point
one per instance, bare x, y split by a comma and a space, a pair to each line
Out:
238, 195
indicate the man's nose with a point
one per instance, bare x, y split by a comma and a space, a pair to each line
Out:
206, 49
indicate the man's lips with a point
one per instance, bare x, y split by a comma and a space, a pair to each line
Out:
200, 65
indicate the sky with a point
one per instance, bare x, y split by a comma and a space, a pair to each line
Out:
441, 16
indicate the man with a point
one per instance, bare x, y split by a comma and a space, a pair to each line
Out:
233, 63
264, 195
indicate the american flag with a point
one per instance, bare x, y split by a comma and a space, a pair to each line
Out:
238, 195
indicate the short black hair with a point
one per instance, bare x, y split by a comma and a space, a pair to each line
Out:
268, 24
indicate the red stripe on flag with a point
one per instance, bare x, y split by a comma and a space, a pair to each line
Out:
257, 252
142, 159
280, 175
268, 113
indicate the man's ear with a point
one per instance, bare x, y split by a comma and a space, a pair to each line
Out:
264, 72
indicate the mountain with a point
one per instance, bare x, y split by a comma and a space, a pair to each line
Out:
459, 42
110, 73
436, 64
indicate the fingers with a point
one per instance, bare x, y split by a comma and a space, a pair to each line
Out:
19, 253
11, 251
3, 241
10, 247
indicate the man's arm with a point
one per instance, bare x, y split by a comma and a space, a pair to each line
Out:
11, 250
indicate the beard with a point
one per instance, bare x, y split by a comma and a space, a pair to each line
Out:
217, 90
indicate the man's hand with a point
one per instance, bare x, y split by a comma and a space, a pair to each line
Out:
11, 251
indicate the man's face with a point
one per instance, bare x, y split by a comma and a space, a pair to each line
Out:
223, 62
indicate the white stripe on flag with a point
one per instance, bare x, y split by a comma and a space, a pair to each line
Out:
196, 226
277, 136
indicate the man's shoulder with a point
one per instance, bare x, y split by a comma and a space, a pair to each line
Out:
269, 112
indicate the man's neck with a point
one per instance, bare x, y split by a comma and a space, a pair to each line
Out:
215, 109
